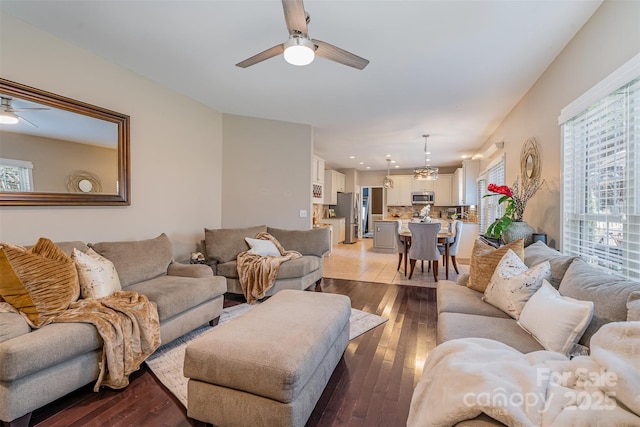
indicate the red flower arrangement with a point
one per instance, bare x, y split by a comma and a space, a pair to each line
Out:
516, 198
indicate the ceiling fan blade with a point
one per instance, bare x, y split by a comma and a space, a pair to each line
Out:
28, 109
262, 56
295, 16
334, 53
27, 121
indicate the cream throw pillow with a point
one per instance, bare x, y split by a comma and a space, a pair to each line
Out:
262, 247
98, 276
555, 321
513, 283
484, 260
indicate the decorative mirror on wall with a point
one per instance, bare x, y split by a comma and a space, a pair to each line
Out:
530, 162
57, 151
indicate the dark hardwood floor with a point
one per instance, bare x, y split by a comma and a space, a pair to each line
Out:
372, 385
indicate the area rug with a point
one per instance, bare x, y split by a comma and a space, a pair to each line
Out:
166, 363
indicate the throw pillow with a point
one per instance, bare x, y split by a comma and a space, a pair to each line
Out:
40, 282
633, 307
262, 247
97, 275
555, 321
485, 258
512, 283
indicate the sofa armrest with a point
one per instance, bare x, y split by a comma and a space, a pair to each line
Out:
189, 270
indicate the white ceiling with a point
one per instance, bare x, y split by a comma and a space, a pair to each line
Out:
453, 69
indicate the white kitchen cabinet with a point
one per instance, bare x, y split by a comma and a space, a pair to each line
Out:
423, 185
384, 236
317, 192
339, 229
464, 187
318, 170
334, 182
443, 190
400, 194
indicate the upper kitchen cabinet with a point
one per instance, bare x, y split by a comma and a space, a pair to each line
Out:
334, 182
318, 170
465, 191
400, 194
318, 180
443, 186
423, 185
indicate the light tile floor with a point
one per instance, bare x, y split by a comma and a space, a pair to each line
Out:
358, 261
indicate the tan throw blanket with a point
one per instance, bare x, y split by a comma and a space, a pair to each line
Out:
465, 377
129, 326
258, 273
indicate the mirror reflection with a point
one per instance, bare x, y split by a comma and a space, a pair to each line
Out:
56, 151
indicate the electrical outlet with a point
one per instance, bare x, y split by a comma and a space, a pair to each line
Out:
303, 213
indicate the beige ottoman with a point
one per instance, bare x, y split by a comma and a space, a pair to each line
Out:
269, 366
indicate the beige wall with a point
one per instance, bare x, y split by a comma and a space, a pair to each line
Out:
266, 177
609, 39
54, 160
176, 161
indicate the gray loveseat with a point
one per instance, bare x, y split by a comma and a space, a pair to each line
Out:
41, 365
463, 314
222, 247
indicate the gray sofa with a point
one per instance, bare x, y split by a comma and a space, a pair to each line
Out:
463, 314
222, 247
41, 365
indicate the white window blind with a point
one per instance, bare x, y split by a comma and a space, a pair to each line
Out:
601, 181
489, 208
16, 175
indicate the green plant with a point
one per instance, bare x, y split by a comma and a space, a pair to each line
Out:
516, 199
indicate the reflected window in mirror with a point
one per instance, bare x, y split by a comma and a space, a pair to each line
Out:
16, 175
79, 152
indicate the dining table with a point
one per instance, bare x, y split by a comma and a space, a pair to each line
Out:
444, 237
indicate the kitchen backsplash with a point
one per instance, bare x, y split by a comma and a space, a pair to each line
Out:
436, 211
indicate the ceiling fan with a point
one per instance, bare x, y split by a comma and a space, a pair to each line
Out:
8, 113
300, 49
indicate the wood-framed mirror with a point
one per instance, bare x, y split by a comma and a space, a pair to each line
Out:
57, 151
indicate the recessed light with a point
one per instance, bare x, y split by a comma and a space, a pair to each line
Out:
393, 161
362, 163
388, 155
368, 167
397, 166
352, 157
464, 156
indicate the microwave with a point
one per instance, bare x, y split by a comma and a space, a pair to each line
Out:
423, 197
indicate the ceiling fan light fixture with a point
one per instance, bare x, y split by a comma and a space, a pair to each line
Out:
8, 118
299, 51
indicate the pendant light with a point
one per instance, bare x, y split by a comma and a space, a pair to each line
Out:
387, 182
427, 172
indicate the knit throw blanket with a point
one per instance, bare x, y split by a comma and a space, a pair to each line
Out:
258, 273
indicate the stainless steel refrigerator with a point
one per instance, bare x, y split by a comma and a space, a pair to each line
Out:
348, 208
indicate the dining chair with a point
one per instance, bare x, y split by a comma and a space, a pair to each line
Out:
424, 245
400, 242
454, 243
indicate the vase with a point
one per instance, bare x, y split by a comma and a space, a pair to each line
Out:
518, 230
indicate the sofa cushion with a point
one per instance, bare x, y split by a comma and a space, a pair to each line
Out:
538, 252
454, 298
12, 325
48, 346
40, 282
555, 321
174, 295
97, 275
609, 294
633, 307
290, 269
316, 241
459, 325
485, 258
224, 244
512, 284
137, 261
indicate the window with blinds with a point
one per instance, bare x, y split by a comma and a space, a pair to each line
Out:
16, 175
601, 181
489, 208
